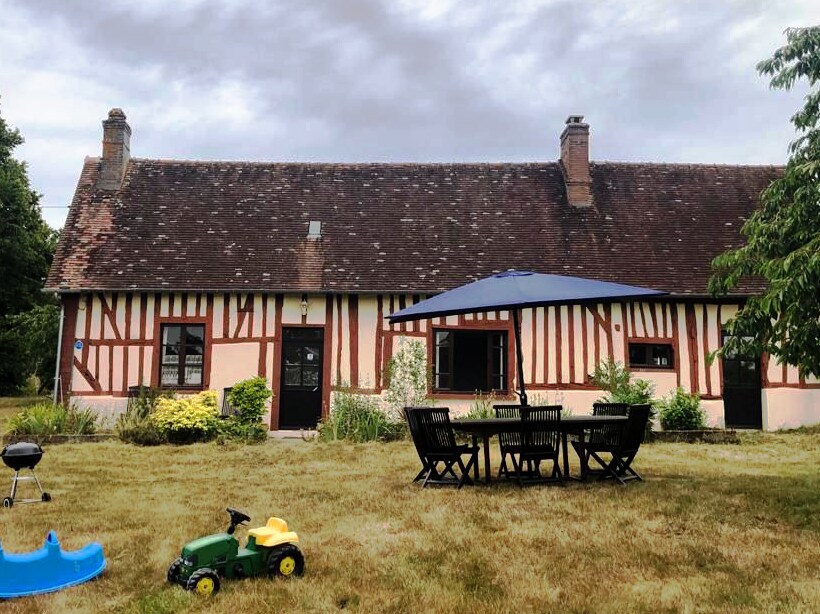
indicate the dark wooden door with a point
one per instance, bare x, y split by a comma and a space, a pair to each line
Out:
742, 406
300, 396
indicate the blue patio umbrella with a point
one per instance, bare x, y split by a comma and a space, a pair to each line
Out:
516, 290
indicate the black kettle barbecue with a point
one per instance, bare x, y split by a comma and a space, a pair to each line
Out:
19, 456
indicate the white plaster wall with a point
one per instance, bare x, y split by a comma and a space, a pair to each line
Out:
665, 381
786, 408
107, 408
715, 414
232, 363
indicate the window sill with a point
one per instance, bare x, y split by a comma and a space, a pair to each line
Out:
454, 394
651, 369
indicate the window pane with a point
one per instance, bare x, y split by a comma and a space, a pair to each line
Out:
170, 353
193, 375
310, 376
311, 355
443, 381
470, 360
169, 375
441, 366
194, 334
293, 375
293, 355
170, 335
658, 355
193, 359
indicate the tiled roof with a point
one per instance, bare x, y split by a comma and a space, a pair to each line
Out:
422, 228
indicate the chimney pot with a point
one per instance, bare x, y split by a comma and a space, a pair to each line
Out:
575, 161
116, 151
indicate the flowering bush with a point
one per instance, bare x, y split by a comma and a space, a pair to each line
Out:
187, 419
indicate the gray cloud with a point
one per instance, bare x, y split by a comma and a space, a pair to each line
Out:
401, 80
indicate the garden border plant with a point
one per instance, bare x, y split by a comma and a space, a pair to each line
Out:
249, 399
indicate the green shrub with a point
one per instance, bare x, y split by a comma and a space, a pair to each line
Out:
617, 382
358, 418
249, 399
482, 407
135, 425
187, 419
682, 412
47, 419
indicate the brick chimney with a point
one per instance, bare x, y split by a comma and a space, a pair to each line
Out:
116, 150
575, 161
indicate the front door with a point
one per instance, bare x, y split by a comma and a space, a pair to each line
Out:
742, 405
300, 396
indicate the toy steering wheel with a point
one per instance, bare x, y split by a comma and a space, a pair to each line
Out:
237, 518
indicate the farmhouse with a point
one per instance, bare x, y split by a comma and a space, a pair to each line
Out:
198, 274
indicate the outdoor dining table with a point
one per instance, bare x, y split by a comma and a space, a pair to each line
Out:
576, 425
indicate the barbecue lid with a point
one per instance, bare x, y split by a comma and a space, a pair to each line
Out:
22, 448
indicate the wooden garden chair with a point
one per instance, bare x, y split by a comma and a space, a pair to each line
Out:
622, 447
417, 435
540, 441
438, 450
509, 443
607, 433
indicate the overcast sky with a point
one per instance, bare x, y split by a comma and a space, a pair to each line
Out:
393, 80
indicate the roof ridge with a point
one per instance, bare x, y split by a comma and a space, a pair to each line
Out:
339, 164
687, 164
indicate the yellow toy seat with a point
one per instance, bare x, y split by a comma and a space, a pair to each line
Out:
275, 532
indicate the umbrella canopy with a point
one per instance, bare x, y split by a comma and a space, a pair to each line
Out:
515, 290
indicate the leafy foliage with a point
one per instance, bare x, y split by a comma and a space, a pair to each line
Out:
783, 236
617, 382
482, 407
32, 335
47, 419
249, 399
135, 425
232, 430
187, 419
408, 376
358, 418
681, 411
26, 248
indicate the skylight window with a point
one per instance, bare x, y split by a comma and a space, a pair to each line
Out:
314, 230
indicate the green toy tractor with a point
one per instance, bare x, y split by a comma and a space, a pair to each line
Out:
270, 550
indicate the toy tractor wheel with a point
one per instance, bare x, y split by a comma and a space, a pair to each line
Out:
203, 582
286, 561
8, 502
173, 571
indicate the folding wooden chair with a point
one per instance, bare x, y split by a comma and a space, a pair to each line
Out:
437, 447
540, 441
607, 433
509, 443
622, 446
417, 435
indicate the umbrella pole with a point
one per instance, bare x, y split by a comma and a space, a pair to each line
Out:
520, 356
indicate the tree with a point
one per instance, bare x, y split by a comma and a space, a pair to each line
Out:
783, 236
27, 245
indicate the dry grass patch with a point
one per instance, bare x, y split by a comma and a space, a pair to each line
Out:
713, 529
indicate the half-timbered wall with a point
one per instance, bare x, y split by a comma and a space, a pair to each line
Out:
119, 335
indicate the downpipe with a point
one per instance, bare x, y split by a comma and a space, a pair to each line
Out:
59, 346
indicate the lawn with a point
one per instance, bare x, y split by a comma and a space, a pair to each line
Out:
714, 528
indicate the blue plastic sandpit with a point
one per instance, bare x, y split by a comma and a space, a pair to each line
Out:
48, 569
